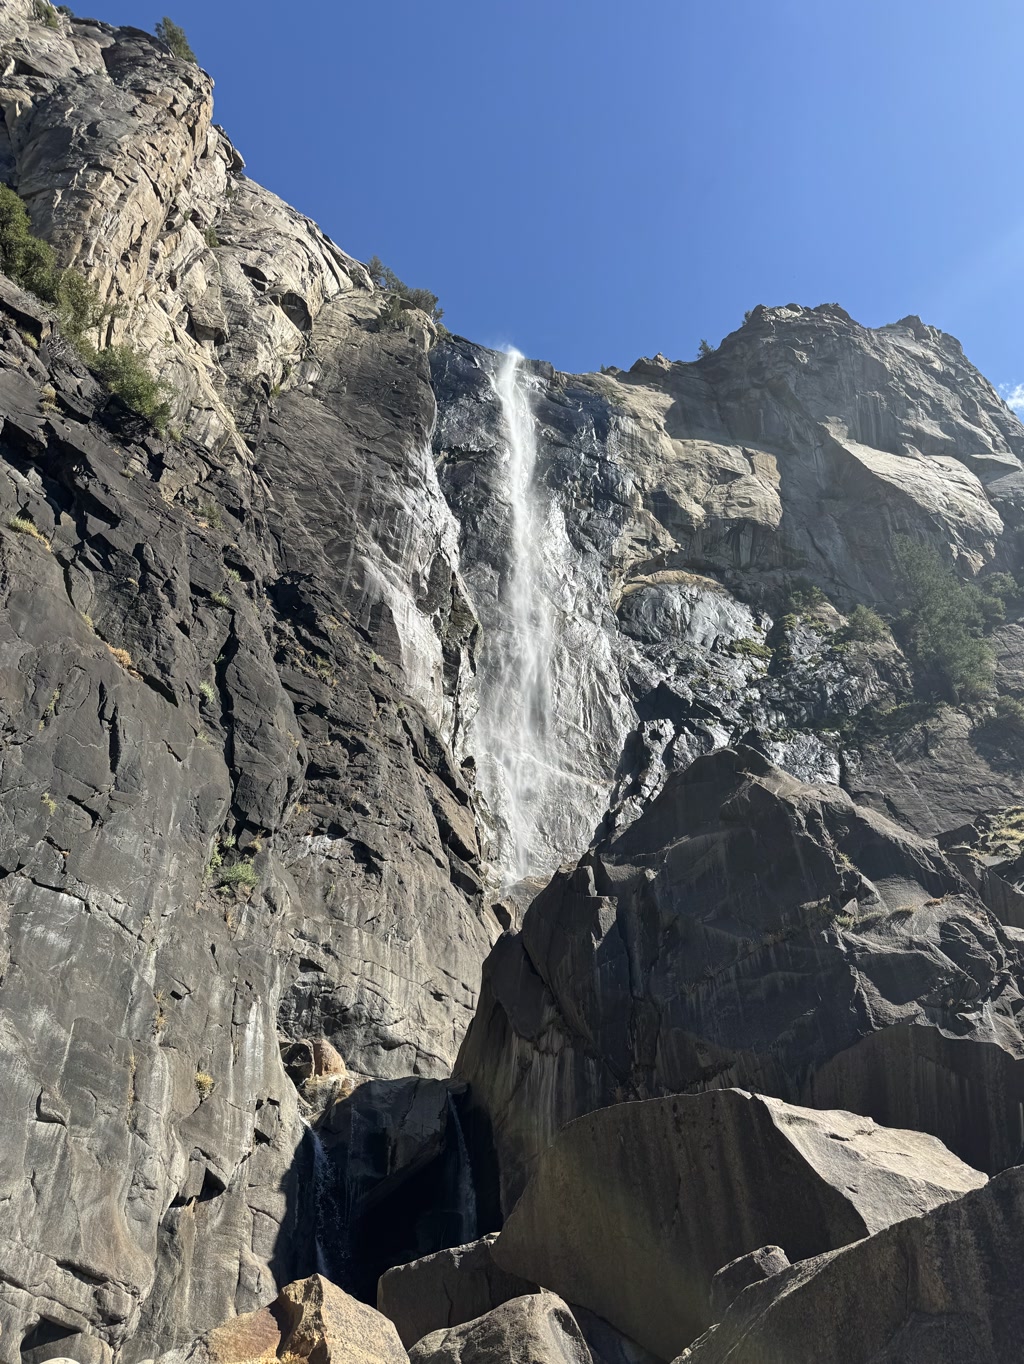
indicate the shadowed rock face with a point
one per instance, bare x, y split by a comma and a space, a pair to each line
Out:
446, 1289
751, 930
937, 1289
633, 1208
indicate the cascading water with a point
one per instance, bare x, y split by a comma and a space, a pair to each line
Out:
466, 1210
511, 737
328, 1223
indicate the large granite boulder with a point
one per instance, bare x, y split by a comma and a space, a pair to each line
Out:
536, 1329
446, 1289
634, 1208
310, 1320
756, 931
943, 1288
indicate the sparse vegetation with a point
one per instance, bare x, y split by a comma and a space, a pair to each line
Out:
219, 599
386, 279
705, 348
210, 513
24, 526
30, 262
204, 1084
48, 801
207, 693
212, 239
239, 874
750, 648
122, 655
942, 626
45, 13
1008, 713
174, 36
863, 626
804, 596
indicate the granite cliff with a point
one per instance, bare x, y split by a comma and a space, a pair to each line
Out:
348, 852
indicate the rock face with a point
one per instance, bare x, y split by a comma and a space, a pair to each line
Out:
247, 873
738, 1274
751, 930
674, 500
938, 1289
690, 1183
539, 1328
446, 1289
310, 1320
229, 690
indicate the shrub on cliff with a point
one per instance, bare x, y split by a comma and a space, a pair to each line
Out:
30, 262
862, 625
943, 624
174, 36
386, 279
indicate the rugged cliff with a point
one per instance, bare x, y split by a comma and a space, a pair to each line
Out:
292, 693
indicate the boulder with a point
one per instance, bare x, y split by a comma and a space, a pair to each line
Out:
943, 1288
311, 1319
536, 1329
446, 1289
753, 930
634, 1208
738, 1274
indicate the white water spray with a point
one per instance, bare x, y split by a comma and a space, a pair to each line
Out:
512, 727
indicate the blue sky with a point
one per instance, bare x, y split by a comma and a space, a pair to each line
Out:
593, 181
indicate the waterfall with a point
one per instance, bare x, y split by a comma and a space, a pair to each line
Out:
468, 1220
515, 689
327, 1221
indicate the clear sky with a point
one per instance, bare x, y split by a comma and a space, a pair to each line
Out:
593, 180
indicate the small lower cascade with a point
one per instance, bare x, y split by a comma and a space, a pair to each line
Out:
512, 736
328, 1225
466, 1217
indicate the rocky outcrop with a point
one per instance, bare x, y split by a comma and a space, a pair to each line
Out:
937, 1289
751, 930
754, 1267
446, 1289
539, 1328
678, 501
690, 1183
309, 1320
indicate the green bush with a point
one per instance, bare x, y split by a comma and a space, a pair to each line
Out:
863, 625
174, 36
30, 262
386, 279
45, 13
125, 374
705, 348
1009, 713
240, 874
943, 624
805, 596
